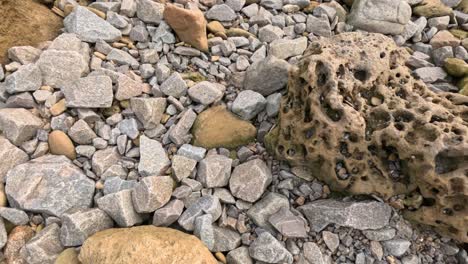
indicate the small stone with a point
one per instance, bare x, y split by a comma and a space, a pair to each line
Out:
430, 74
204, 230
14, 216
18, 124
79, 224
24, 54
104, 159
116, 184
187, 51
214, 171
272, 4
174, 86
249, 180
396, 247
444, 38
270, 33
267, 249
26, 78
121, 57
192, 152
262, 210
266, 76
81, 133
149, 111
225, 239
10, 156
318, 26
61, 144
149, 11
331, 240
288, 224
128, 8
206, 92
127, 88
168, 214
222, 13
152, 193
61, 67
119, 206
180, 133
273, 104
153, 157
248, 104
432, 8
381, 234
182, 167
285, 48
89, 92
44, 247
239, 255
313, 254
89, 27
205, 205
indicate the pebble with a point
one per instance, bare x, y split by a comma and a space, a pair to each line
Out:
214, 171
267, 249
153, 157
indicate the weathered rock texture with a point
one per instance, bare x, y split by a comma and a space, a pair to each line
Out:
357, 119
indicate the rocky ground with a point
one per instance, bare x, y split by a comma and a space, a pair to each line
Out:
154, 114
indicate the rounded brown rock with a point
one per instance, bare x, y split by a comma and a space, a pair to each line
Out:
61, 144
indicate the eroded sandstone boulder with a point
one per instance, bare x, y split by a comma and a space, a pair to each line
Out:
358, 120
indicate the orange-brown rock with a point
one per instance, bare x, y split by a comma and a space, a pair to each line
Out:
189, 25
17, 238
61, 144
358, 120
144, 245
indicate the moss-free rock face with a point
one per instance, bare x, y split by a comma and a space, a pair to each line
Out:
360, 122
144, 245
217, 127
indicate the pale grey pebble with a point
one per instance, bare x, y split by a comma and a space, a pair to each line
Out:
290, 225
396, 247
267, 249
214, 171
14, 216
152, 193
248, 104
204, 230
250, 180
383, 234
221, 13
239, 255
262, 210
225, 239
119, 207
205, 205
430, 74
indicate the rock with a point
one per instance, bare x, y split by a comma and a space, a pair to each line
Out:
61, 144
119, 206
152, 193
318, 26
127, 88
149, 11
222, 13
26, 78
81, 133
273, 104
180, 133
16, 240
239, 255
225, 239
10, 156
89, 92
182, 167
262, 210
116, 184
168, 214
386, 17
149, 111
432, 8
190, 25
61, 67
380, 235
313, 254
214, 171
44, 247
248, 104
444, 38
192, 152
250, 180
430, 74
153, 157
217, 127
267, 249
205, 205
456, 67
174, 86
286, 48
358, 215
24, 54
56, 186
3, 234
104, 159
204, 230
121, 57
396, 247
270, 33
331, 240
288, 224
68, 256
18, 125
150, 244
89, 27
206, 93
79, 224
266, 76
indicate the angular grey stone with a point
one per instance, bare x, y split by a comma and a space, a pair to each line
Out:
313, 254
128, 8
152, 193
79, 224
81, 133
204, 230
441, 54
248, 104
286, 48
288, 224
163, 33
129, 127
331, 240
318, 26
235, 5
89, 27
225, 239
222, 13
21, 100
149, 111
242, 63
116, 20
273, 104
149, 56
272, 4
270, 33
267, 249
214, 171
26, 78
127, 88
239, 255
267, 76
10, 156
24, 54
224, 196
106, 6
383, 234
168, 214
54, 186
104, 159
204, 205
14, 216
205, 92
174, 86
18, 124
150, 11
430, 74
119, 206
180, 133
182, 167
116, 184
89, 92
250, 180
419, 60
187, 51
250, 10
192, 152
153, 157
122, 57
60, 67
396, 247
358, 215
44, 247
414, 259
328, 11
381, 16
139, 33
262, 210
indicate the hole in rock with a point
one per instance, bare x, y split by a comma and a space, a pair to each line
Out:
322, 73
403, 116
447, 161
361, 75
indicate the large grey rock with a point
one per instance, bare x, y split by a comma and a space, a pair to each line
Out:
288, 224
10, 156
267, 76
153, 157
149, 111
151, 193
262, 210
286, 48
204, 205
89, 92
79, 224
61, 67
225, 239
54, 185
267, 249
150, 11
14, 216
174, 86
205, 92
358, 215
381, 16
248, 104
26, 78
221, 13
119, 206
44, 247
18, 125
180, 133
214, 171
104, 159
89, 27
250, 180
239, 255
168, 214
